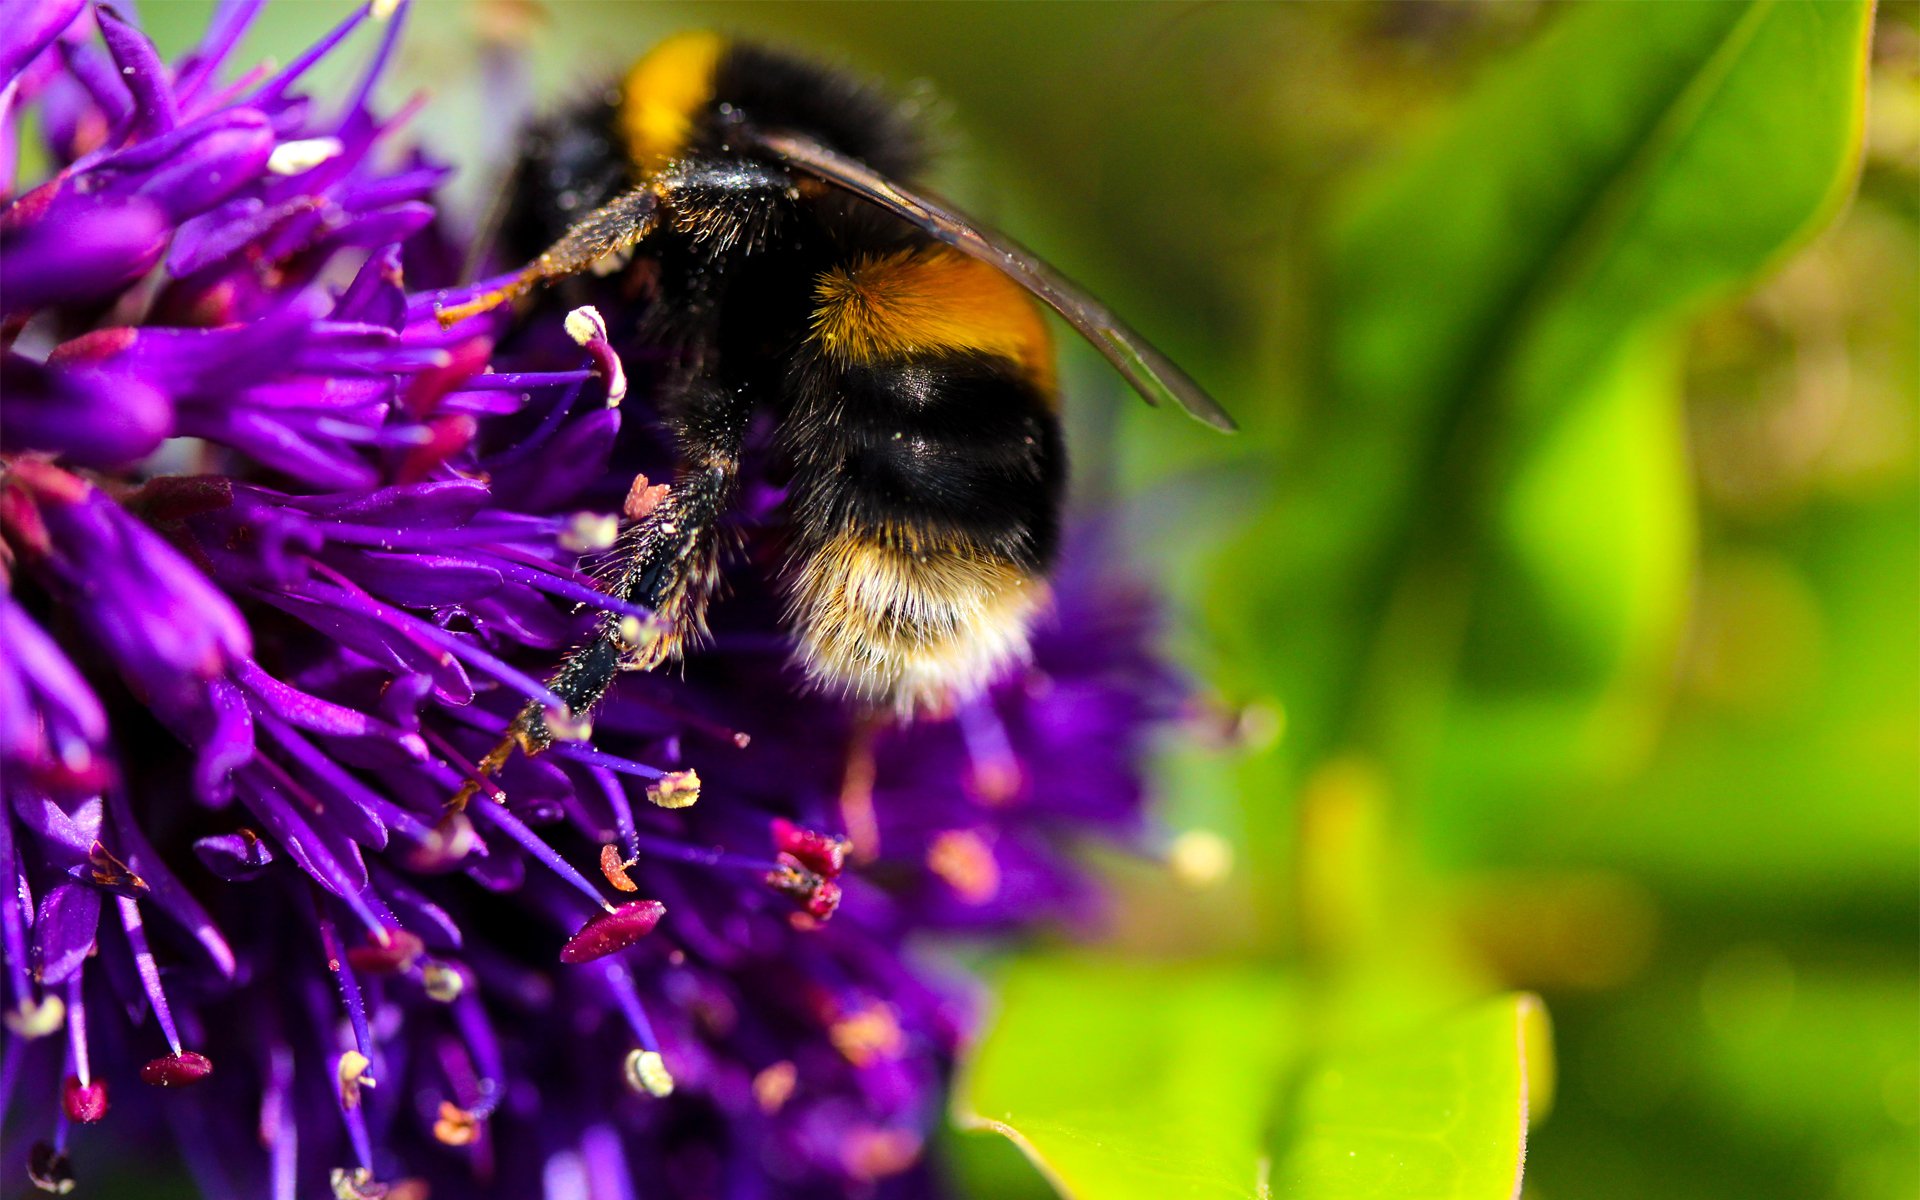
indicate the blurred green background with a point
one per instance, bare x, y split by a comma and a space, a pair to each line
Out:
1558, 610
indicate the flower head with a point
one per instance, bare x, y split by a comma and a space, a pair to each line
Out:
282, 560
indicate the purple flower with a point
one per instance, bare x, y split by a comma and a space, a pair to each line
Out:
283, 558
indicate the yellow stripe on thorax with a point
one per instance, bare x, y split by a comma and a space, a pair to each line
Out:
897, 306
662, 94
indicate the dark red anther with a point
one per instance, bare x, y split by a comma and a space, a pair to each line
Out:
84, 1102
613, 931
820, 853
49, 1169
446, 436
824, 900
464, 359
23, 524
394, 956
176, 1070
97, 346
817, 895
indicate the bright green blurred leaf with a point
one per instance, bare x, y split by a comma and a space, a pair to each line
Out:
1123, 1080
1636, 161
1595, 545
1634, 158
1439, 1116
1691, 211
1490, 296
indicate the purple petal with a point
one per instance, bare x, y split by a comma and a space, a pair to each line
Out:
66, 837
96, 73
146, 76
424, 579
238, 223
303, 711
419, 913
88, 418
331, 859
376, 296
29, 27
70, 703
234, 857
77, 253
230, 20
554, 476
429, 505
165, 887
63, 931
224, 739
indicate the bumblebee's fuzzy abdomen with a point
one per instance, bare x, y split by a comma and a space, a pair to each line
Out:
927, 489
910, 629
949, 449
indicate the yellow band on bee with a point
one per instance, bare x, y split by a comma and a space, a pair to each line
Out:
896, 306
663, 93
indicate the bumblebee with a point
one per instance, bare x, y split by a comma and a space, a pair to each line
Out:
795, 269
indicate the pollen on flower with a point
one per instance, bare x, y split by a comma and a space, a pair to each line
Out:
455, 1126
868, 1034
109, 872
821, 853
997, 781
443, 983
643, 497
356, 1183
773, 1086
675, 789
873, 1154
37, 1018
444, 845
590, 533
963, 859
303, 154
614, 867
818, 896
647, 1073
584, 324
642, 640
565, 727
350, 1073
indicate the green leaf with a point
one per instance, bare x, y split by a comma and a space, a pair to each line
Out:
1125, 1080
1633, 159
1166, 1081
1439, 1116
1489, 297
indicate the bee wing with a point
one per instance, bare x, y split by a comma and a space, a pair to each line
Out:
1150, 372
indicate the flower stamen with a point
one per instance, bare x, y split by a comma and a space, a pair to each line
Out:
647, 1073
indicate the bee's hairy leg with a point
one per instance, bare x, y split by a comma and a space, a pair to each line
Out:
723, 199
618, 226
668, 563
